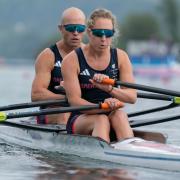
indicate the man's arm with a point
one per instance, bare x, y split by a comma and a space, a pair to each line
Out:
43, 67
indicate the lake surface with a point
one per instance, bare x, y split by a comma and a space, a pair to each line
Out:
22, 163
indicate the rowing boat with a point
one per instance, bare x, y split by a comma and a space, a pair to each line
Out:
147, 149
135, 151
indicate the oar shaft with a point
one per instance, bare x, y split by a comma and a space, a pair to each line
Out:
157, 109
141, 87
11, 115
62, 102
155, 96
139, 123
51, 111
148, 88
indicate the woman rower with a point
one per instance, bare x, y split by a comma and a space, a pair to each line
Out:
88, 66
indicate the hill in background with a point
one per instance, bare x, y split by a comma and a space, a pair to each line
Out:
27, 26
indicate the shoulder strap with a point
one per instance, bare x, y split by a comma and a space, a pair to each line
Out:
114, 55
55, 50
81, 57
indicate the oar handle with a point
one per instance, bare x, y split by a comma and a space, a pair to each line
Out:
105, 106
108, 81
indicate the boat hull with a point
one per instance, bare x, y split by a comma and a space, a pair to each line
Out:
95, 148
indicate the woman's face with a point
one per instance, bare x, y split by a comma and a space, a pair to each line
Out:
100, 35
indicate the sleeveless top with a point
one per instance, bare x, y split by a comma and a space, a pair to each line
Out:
89, 92
56, 76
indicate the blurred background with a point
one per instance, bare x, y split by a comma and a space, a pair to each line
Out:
146, 26
149, 30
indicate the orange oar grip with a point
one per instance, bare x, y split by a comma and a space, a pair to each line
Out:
108, 81
105, 106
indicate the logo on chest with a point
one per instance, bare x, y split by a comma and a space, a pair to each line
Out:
58, 64
85, 72
114, 71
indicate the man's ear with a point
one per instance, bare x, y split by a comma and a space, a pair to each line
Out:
60, 27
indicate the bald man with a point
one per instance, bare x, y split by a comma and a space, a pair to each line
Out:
48, 63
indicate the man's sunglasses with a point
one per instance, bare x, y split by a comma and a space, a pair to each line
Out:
75, 27
103, 32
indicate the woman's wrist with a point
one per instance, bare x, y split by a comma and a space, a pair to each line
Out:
110, 89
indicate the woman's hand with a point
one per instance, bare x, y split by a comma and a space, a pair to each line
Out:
96, 81
113, 103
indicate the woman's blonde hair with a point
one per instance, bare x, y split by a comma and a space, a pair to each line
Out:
100, 13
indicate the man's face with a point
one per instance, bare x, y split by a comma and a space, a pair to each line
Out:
72, 30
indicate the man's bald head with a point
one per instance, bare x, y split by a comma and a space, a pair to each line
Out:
73, 15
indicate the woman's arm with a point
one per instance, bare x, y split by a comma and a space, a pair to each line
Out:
126, 75
70, 71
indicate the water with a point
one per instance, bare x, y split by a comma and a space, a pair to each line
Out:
22, 163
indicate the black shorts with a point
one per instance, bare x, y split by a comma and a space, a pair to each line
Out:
42, 119
71, 122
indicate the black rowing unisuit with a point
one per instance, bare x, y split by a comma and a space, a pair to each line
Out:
89, 92
56, 76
